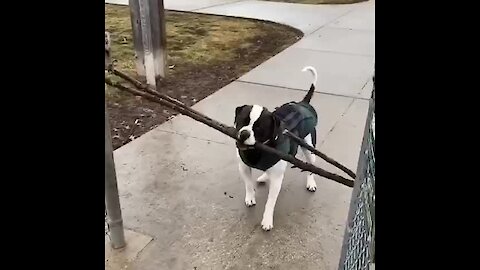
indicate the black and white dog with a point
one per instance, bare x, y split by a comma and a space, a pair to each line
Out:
255, 123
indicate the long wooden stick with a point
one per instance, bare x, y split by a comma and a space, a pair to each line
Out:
299, 141
231, 132
320, 154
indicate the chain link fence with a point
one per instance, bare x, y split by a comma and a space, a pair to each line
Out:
358, 251
107, 228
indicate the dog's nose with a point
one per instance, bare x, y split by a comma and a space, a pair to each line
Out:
244, 134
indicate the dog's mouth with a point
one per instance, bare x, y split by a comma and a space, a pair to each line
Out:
242, 146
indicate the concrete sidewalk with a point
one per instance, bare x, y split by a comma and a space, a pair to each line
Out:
179, 183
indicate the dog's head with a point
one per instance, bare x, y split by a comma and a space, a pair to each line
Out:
255, 123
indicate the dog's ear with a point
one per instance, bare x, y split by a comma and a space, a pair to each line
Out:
238, 110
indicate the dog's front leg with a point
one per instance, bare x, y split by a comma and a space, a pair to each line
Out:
275, 174
246, 174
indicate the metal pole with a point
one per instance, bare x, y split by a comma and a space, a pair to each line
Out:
112, 200
137, 37
152, 20
159, 36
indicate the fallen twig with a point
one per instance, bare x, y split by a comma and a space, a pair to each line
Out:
227, 130
301, 142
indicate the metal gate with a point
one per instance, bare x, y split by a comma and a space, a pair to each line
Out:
358, 250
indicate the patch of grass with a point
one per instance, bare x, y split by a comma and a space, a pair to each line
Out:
325, 2
203, 39
192, 39
119, 26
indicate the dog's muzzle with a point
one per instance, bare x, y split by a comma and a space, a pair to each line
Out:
244, 134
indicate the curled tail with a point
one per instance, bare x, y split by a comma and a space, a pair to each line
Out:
309, 95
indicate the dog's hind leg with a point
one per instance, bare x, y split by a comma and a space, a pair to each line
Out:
246, 174
311, 184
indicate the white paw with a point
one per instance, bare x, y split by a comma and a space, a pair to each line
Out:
267, 223
311, 185
250, 200
263, 178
